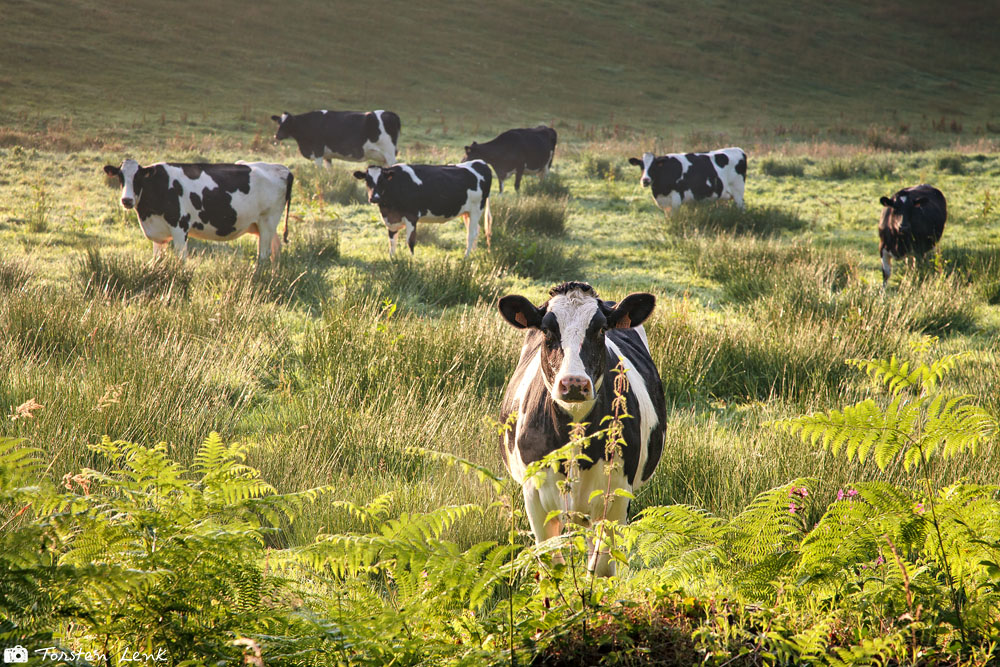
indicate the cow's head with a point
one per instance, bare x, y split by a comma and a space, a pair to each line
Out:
376, 179
644, 163
286, 122
898, 211
574, 322
130, 175
472, 152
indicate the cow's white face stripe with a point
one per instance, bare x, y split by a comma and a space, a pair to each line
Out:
574, 312
647, 160
129, 169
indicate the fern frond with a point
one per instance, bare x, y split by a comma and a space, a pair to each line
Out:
483, 473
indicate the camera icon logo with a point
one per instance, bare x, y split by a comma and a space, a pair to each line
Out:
15, 654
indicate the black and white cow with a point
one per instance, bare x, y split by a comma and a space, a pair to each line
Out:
912, 223
520, 151
682, 177
573, 345
213, 202
407, 193
359, 136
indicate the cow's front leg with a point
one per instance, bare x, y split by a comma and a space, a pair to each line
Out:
886, 266
517, 178
319, 162
599, 557
158, 247
411, 234
536, 518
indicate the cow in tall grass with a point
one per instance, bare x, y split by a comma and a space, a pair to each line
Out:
519, 151
213, 202
358, 136
408, 193
574, 344
679, 178
912, 224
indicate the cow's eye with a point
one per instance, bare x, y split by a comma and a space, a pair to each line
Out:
551, 339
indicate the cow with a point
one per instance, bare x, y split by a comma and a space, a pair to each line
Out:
407, 193
522, 151
213, 202
358, 136
912, 223
682, 177
566, 374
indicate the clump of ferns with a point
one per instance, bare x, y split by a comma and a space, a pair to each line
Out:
893, 545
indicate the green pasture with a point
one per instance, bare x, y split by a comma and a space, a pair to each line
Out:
335, 361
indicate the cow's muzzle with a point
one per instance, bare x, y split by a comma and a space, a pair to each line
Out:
574, 389
374, 199
645, 182
128, 202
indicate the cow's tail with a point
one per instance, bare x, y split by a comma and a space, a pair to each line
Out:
288, 202
489, 223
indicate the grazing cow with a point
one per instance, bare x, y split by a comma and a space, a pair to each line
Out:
912, 223
213, 202
683, 177
566, 374
358, 136
524, 151
406, 193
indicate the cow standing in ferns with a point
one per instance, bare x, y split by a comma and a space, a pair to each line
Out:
213, 202
679, 178
574, 345
408, 193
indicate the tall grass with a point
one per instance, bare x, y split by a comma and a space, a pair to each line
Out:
552, 185
14, 274
531, 214
126, 276
725, 217
333, 185
441, 281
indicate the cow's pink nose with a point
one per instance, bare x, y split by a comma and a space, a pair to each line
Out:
574, 388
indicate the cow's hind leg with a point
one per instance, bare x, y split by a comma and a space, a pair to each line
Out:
267, 238
517, 178
472, 229
180, 238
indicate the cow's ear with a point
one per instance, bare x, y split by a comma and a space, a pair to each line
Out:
636, 161
520, 312
631, 311
360, 175
111, 171
885, 201
920, 201
468, 148
276, 119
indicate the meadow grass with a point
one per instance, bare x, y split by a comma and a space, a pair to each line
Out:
335, 359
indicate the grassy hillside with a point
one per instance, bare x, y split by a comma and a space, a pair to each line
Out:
667, 68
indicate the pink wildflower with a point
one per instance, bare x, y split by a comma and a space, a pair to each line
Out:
791, 508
